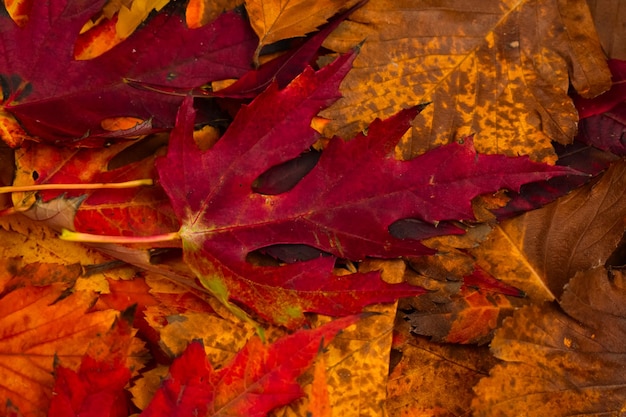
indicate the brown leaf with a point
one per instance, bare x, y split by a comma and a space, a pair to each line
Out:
609, 17
562, 362
499, 70
435, 380
541, 250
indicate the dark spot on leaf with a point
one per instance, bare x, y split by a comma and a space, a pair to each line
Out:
282, 178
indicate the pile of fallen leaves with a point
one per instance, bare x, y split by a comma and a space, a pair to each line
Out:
310, 208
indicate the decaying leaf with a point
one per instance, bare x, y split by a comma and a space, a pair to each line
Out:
31, 254
541, 250
500, 70
562, 362
357, 366
468, 316
434, 380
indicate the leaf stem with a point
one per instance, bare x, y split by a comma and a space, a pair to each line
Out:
90, 238
94, 186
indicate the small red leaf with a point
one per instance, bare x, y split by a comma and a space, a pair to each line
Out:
260, 378
96, 390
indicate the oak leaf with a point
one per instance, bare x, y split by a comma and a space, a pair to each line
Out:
222, 221
499, 70
562, 362
541, 250
47, 88
257, 380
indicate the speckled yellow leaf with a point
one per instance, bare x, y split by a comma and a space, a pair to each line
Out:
31, 250
357, 360
222, 338
146, 385
357, 368
499, 70
562, 361
541, 250
435, 380
275, 20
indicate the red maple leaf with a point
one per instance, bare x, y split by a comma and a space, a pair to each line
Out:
97, 388
258, 379
48, 88
344, 206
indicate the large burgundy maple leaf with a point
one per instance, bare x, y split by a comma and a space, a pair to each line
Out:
59, 99
344, 206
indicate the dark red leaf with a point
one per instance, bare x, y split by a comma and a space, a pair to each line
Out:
55, 88
606, 131
583, 158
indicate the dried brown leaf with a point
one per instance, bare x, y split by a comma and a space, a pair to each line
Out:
541, 250
500, 70
562, 362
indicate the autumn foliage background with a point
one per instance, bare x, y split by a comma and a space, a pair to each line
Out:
312, 208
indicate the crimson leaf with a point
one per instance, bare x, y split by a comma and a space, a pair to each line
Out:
344, 206
47, 88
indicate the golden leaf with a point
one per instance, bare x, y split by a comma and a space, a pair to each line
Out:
275, 20
130, 17
499, 70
